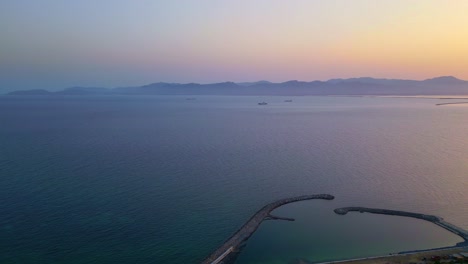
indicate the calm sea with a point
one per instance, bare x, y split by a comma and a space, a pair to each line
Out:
166, 180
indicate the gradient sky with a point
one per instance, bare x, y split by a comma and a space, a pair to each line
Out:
53, 44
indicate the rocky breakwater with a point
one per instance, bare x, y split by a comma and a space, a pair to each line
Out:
431, 218
233, 244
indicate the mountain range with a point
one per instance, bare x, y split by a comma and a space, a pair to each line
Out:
445, 85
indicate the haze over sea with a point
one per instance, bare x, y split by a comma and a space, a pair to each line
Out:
162, 179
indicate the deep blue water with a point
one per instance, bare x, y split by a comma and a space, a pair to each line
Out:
166, 180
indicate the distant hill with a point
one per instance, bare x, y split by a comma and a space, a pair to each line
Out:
445, 85
445, 80
84, 91
30, 92
252, 83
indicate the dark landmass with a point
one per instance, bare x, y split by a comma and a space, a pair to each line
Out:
31, 92
84, 91
446, 85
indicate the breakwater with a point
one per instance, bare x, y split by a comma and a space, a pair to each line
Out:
431, 218
233, 244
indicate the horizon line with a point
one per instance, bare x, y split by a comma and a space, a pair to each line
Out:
265, 80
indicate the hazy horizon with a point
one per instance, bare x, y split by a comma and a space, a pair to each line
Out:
53, 45
245, 82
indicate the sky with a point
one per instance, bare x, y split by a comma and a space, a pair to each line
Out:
53, 44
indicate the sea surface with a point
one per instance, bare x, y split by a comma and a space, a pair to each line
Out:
163, 179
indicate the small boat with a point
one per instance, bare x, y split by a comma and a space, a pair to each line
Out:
263, 103
288, 101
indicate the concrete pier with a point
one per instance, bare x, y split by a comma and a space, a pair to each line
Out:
431, 218
232, 245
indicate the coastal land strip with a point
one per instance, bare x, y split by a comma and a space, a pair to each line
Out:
420, 257
233, 244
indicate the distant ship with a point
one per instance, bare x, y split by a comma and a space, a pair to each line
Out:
288, 101
263, 103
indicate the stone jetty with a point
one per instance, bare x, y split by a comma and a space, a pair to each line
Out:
431, 218
233, 244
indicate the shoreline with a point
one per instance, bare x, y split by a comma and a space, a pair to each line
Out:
406, 257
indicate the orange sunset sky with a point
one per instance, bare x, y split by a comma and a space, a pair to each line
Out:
54, 44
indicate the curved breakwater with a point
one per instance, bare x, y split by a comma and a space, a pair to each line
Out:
431, 218
233, 244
